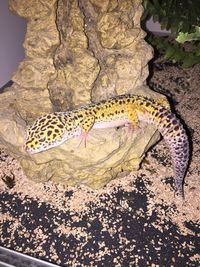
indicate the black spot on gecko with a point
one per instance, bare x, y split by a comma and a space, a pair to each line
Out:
174, 122
51, 126
168, 125
43, 128
60, 126
47, 123
53, 122
170, 116
162, 110
29, 141
42, 120
49, 133
147, 104
176, 128
160, 116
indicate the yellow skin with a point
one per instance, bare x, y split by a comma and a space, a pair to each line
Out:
126, 110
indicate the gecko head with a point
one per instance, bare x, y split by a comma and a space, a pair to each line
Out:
46, 132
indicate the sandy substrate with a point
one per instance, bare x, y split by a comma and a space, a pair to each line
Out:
133, 221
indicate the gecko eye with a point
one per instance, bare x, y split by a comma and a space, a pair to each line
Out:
42, 139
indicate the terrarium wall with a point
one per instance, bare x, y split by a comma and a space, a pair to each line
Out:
77, 52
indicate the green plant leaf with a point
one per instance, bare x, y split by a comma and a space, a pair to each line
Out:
181, 17
189, 37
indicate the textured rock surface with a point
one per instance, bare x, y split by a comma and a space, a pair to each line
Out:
77, 51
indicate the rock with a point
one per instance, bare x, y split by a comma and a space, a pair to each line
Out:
75, 54
108, 153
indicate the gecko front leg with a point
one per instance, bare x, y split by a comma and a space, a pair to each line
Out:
86, 126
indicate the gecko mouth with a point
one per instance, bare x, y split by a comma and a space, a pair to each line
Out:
32, 150
44, 147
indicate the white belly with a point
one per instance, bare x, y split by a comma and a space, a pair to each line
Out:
110, 124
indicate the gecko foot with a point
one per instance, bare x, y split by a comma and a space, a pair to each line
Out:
83, 136
131, 129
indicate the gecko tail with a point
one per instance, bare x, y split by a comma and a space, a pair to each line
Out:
179, 148
177, 140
